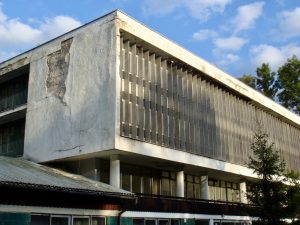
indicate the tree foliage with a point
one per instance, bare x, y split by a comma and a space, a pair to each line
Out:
266, 81
273, 198
283, 86
289, 84
249, 80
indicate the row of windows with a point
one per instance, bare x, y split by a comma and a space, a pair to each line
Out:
151, 181
13, 93
66, 220
223, 191
12, 138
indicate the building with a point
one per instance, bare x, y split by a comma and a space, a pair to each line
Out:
116, 102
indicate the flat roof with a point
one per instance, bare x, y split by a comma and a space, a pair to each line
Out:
141, 31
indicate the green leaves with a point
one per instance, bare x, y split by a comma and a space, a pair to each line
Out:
283, 86
276, 194
289, 84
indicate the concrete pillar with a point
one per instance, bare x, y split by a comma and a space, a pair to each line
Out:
180, 184
243, 192
211, 222
114, 171
204, 187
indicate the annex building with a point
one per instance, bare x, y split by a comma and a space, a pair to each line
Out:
154, 134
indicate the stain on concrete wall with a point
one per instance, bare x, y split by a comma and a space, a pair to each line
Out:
13, 66
58, 68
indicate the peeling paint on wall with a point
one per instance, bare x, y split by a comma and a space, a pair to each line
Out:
58, 68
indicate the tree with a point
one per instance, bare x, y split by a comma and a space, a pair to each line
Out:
249, 80
276, 195
266, 81
267, 194
289, 84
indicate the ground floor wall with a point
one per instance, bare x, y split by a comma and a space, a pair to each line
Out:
56, 216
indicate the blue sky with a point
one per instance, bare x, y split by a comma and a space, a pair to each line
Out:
235, 35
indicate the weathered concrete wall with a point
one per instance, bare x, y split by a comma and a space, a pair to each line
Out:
71, 108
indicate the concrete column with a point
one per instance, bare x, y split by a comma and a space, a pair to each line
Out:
243, 192
204, 187
114, 171
180, 184
211, 222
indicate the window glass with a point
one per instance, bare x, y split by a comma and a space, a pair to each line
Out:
81, 221
201, 222
165, 186
40, 220
155, 186
136, 184
59, 220
197, 191
174, 222
147, 185
98, 221
163, 222
189, 190
126, 183
138, 221
150, 222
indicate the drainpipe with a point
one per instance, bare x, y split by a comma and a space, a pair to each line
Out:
119, 216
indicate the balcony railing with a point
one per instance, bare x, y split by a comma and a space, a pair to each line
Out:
182, 205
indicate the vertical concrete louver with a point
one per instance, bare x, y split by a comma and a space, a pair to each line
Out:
169, 104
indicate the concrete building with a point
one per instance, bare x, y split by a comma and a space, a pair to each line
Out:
118, 103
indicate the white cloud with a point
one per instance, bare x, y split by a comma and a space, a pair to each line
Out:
289, 25
17, 36
246, 16
204, 34
231, 43
228, 59
58, 25
275, 56
199, 9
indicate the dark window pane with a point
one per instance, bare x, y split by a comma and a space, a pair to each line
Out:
98, 221
81, 221
138, 221
59, 221
149, 222
163, 222
40, 220
147, 185
174, 222
12, 138
201, 222
126, 183
136, 184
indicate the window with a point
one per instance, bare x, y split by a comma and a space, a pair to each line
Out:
12, 138
201, 222
98, 221
223, 191
193, 186
40, 220
138, 221
60, 220
81, 221
13, 93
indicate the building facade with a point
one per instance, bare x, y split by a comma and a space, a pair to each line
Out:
118, 103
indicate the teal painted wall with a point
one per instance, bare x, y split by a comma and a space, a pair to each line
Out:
15, 218
111, 220
126, 221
